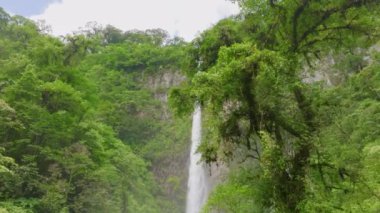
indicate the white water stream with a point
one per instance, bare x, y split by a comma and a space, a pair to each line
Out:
197, 187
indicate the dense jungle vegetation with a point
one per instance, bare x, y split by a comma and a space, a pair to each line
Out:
84, 125
80, 127
293, 143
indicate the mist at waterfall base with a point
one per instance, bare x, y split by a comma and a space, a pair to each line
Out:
198, 179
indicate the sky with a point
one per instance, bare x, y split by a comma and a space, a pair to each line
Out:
25, 7
184, 18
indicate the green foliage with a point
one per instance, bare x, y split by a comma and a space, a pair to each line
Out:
84, 128
237, 195
181, 100
203, 51
308, 140
79, 129
342, 176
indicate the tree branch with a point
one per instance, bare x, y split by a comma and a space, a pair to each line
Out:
297, 13
328, 13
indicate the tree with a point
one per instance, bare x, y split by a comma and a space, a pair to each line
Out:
203, 52
61, 113
113, 35
254, 92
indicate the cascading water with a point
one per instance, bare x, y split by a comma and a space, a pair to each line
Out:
198, 179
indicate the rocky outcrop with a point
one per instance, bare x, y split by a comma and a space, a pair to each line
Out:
170, 167
160, 83
333, 69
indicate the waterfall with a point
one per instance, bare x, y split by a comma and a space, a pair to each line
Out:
198, 180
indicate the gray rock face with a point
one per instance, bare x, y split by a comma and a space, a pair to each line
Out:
170, 170
328, 71
165, 79
160, 83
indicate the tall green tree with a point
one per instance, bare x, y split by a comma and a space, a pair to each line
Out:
258, 104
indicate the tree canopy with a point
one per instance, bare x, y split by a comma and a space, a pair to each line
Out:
273, 124
78, 125
290, 94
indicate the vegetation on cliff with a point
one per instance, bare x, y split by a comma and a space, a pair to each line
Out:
293, 144
84, 125
79, 129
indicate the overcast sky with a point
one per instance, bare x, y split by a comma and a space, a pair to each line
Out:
184, 18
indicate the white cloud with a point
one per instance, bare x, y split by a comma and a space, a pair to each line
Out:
182, 17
